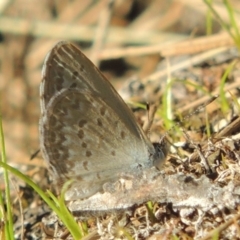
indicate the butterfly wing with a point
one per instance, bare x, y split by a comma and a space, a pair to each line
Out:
87, 132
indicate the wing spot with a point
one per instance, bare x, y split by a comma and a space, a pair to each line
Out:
84, 145
75, 75
113, 153
74, 85
99, 122
123, 135
79, 178
82, 122
81, 134
88, 153
102, 111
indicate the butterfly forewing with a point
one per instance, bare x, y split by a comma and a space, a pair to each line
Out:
87, 133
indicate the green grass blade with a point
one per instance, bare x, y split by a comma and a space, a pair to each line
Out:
232, 21
209, 21
9, 217
223, 99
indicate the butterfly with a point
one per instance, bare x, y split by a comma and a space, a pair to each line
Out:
87, 132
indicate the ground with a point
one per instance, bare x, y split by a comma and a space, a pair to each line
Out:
173, 55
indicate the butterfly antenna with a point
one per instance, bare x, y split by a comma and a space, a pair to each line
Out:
213, 98
164, 141
180, 122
